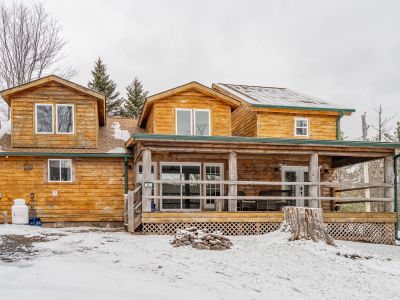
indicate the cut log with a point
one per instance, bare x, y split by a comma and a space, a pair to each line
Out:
305, 224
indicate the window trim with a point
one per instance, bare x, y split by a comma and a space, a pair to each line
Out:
73, 118
52, 117
307, 127
209, 121
176, 119
48, 170
193, 120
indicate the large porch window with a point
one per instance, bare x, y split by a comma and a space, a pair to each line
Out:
180, 171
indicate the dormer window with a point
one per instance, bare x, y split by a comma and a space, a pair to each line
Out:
301, 127
192, 122
44, 118
64, 120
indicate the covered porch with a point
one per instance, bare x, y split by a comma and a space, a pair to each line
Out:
240, 183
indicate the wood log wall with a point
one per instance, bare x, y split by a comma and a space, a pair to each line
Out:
95, 195
164, 112
23, 118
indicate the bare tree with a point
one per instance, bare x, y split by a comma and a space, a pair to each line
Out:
30, 44
382, 126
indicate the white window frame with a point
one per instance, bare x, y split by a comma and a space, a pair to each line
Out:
181, 164
176, 119
221, 166
192, 120
59, 159
36, 118
73, 118
307, 128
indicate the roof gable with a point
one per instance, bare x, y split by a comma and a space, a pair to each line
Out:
101, 99
259, 96
233, 103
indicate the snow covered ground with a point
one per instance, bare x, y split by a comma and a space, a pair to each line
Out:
82, 263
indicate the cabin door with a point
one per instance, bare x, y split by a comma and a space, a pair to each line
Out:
213, 172
296, 174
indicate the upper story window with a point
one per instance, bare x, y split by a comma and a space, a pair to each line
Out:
301, 127
44, 118
192, 121
60, 170
64, 120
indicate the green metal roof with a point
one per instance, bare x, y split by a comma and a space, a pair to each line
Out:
53, 154
304, 108
240, 139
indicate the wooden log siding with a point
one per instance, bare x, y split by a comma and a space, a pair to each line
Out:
23, 118
95, 195
276, 124
164, 112
244, 122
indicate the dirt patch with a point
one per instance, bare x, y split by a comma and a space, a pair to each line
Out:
19, 247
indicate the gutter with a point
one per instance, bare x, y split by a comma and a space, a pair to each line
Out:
126, 184
53, 154
396, 208
341, 110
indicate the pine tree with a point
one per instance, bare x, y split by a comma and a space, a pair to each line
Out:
102, 84
136, 96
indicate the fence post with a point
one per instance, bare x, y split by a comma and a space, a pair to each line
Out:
131, 212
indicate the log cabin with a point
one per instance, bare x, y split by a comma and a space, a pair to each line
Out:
226, 157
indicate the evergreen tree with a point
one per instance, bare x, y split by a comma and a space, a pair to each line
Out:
136, 96
102, 84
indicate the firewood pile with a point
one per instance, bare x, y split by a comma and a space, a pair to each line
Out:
201, 239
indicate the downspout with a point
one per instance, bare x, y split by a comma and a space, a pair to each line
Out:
126, 174
338, 129
396, 207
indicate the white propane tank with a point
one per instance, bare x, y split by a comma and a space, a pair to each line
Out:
20, 212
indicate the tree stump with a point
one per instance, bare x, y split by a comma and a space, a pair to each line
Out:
305, 224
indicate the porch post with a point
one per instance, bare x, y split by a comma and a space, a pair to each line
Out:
389, 178
232, 204
146, 171
313, 176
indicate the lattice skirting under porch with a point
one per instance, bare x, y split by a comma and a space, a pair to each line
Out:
380, 233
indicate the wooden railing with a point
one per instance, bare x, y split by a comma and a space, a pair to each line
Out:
133, 209
337, 188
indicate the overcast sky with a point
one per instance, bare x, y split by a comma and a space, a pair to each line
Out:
346, 52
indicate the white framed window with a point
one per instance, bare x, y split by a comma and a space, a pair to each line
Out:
60, 170
301, 127
184, 123
213, 172
65, 118
193, 122
44, 118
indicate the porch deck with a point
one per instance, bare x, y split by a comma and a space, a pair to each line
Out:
373, 227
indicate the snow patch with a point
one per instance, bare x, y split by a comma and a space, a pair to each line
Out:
102, 264
120, 134
117, 150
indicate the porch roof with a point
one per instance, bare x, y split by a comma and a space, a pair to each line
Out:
258, 140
